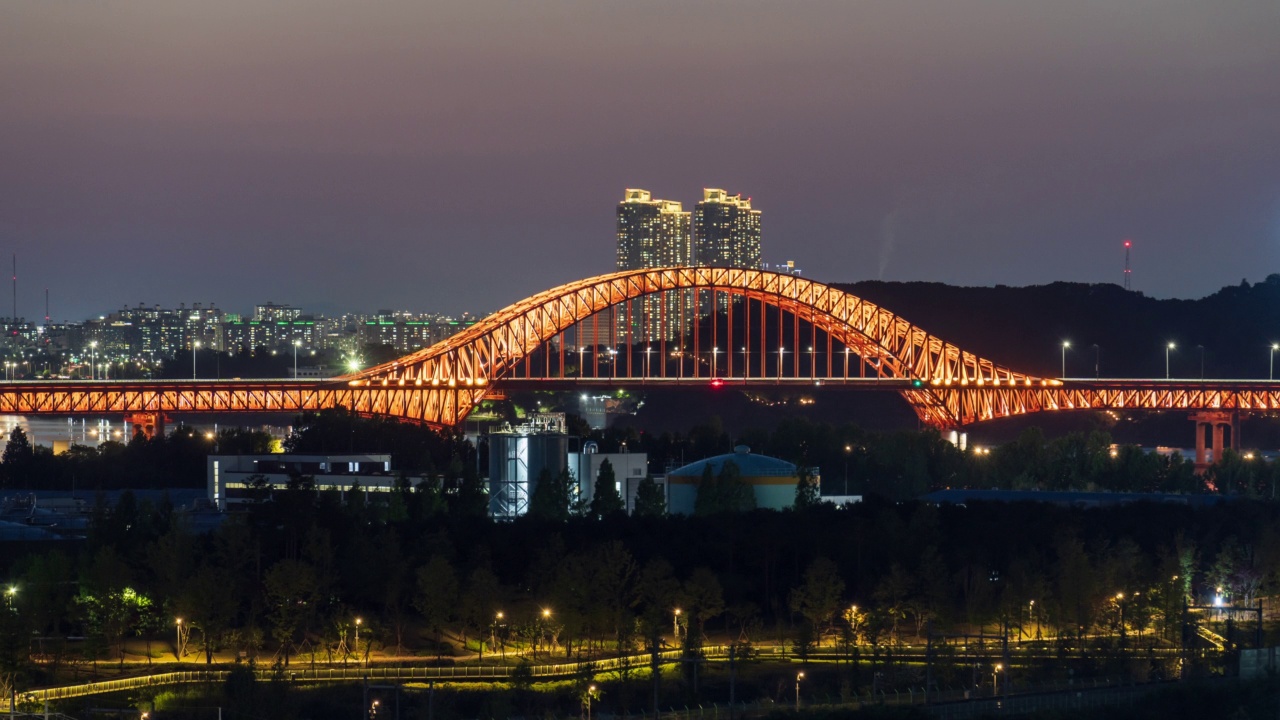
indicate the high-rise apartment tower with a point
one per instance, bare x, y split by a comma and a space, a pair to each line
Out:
726, 231
652, 233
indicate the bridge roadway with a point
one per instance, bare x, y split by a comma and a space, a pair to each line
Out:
76, 397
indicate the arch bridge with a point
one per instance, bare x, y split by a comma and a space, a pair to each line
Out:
670, 326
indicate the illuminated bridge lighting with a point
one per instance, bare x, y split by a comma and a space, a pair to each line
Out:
829, 338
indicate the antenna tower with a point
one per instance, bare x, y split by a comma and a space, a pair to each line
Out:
1128, 274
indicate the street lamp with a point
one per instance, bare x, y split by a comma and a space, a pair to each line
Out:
1065, 344
799, 677
780, 351
675, 624
813, 367
746, 367
648, 349
847, 449
178, 650
296, 343
93, 360
613, 361
359, 621
580, 360
195, 348
591, 690
1167, 348
1274, 348
715, 355
995, 678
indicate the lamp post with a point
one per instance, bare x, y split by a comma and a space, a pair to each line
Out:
675, 624
813, 363
746, 367
799, 677
647, 351
590, 691
1274, 348
93, 360
296, 343
195, 349
847, 449
359, 621
1065, 344
580, 361
995, 678
546, 618
613, 362
715, 357
177, 651
780, 351
1167, 348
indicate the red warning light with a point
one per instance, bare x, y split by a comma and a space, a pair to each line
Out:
1128, 244
717, 383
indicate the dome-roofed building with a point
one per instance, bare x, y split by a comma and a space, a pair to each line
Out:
772, 481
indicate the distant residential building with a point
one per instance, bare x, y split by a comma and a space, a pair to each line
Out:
272, 312
408, 332
653, 233
273, 335
726, 231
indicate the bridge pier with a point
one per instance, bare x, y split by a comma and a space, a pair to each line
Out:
1219, 421
150, 423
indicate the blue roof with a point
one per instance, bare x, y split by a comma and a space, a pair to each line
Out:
749, 465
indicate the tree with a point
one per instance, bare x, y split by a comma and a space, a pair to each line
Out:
550, 497
704, 597
820, 596
292, 588
807, 493
18, 456
437, 597
605, 499
650, 500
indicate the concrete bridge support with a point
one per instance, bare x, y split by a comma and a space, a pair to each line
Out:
1219, 421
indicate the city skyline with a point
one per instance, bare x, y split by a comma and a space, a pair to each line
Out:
461, 156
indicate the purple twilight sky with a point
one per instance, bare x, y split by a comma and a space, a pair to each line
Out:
458, 156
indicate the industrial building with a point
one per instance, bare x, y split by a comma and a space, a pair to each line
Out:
518, 456
772, 481
240, 479
628, 470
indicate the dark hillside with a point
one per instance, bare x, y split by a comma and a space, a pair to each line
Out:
1024, 327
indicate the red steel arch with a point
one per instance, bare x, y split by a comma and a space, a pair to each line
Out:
456, 373
441, 384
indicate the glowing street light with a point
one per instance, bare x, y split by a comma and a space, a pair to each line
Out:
799, 677
995, 678
780, 351
647, 351
1065, 345
675, 624
1167, 348
1274, 348
195, 348
359, 621
590, 692
715, 355
93, 360
296, 343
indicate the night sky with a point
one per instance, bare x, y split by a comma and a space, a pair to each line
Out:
450, 156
